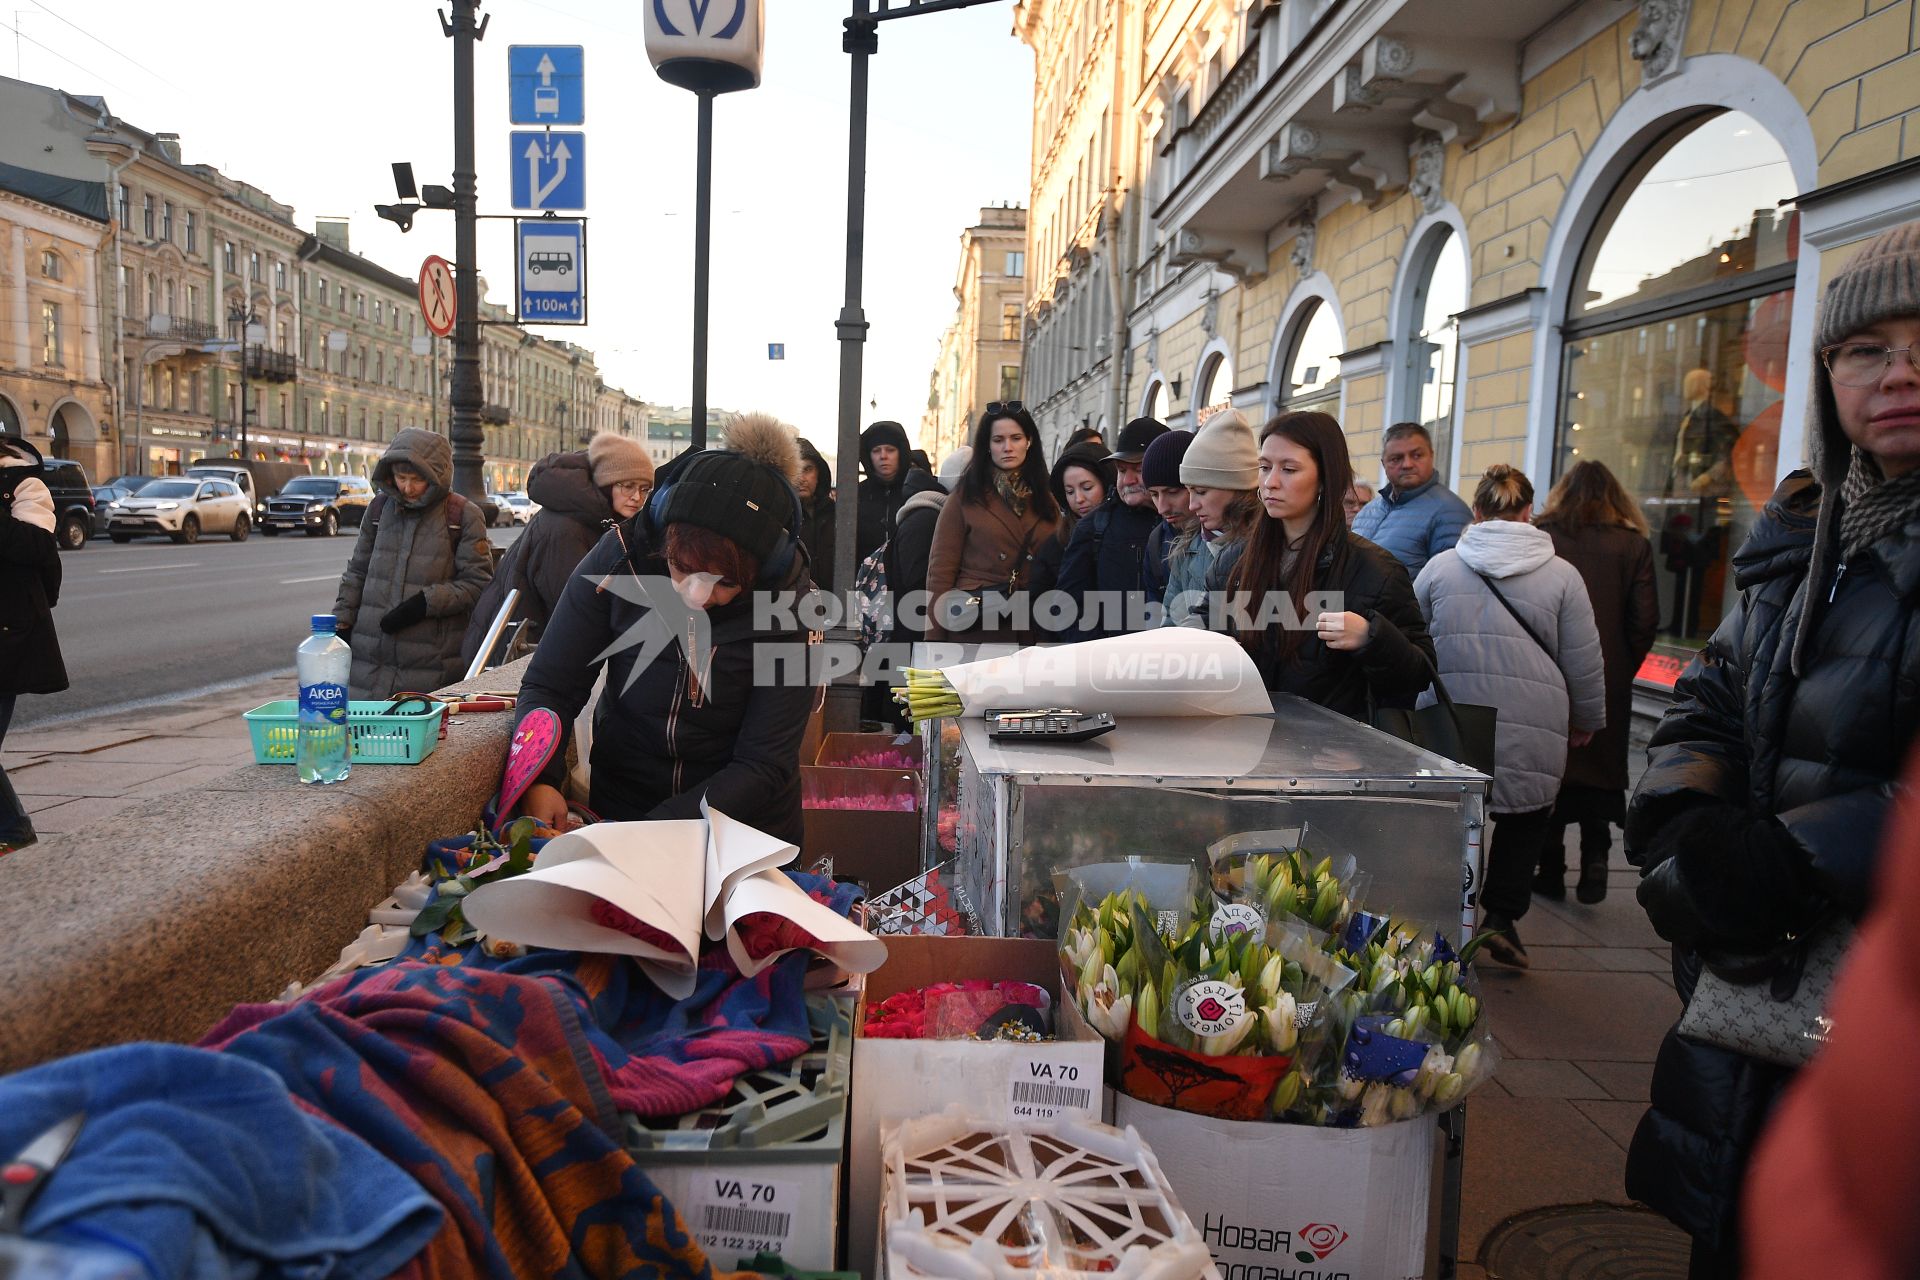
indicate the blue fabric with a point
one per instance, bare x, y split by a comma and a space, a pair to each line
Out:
1414, 527
201, 1165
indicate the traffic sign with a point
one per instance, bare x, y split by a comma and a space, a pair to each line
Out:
776, 351
552, 271
546, 84
549, 170
436, 295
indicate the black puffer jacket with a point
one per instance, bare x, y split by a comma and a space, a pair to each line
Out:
1107, 553
1396, 664
574, 513
1820, 755
30, 659
669, 738
880, 499
817, 517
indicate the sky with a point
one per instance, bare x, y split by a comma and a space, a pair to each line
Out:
313, 103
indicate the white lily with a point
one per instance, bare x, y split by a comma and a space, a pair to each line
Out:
1269, 979
1222, 1043
1283, 1033
1110, 1014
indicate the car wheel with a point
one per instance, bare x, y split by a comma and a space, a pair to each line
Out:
73, 534
121, 537
189, 530
241, 528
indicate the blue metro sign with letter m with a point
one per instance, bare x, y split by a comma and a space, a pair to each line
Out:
549, 170
552, 271
546, 84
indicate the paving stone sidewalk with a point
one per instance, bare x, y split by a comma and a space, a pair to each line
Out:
88, 771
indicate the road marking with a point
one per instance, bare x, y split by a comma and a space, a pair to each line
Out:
325, 577
154, 568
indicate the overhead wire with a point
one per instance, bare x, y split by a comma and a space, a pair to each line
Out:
104, 45
21, 35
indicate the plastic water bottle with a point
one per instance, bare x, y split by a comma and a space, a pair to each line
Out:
324, 661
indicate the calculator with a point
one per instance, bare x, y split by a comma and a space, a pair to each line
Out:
1051, 724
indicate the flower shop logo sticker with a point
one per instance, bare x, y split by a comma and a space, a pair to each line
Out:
1210, 1007
1321, 1239
1235, 918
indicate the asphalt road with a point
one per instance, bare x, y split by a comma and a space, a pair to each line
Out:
144, 622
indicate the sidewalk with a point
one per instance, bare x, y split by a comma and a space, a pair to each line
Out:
75, 775
1545, 1193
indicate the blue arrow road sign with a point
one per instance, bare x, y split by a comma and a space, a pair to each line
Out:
549, 170
553, 271
546, 84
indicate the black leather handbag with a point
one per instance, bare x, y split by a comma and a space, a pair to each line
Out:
1460, 731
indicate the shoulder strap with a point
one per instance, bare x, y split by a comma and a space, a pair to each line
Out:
1531, 633
456, 513
375, 507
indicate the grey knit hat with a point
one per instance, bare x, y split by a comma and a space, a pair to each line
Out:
1223, 454
1879, 282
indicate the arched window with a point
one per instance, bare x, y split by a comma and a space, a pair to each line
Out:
1310, 373
1677, 333
1158, 406
1213, 390
1432, 341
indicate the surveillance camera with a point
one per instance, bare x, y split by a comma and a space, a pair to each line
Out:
401, 215
403, 181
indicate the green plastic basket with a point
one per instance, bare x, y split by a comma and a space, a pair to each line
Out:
372, 738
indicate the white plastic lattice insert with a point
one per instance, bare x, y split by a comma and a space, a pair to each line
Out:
972, 1200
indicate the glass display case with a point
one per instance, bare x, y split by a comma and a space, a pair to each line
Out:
1171, 787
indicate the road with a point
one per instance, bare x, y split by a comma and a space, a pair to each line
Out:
147, 621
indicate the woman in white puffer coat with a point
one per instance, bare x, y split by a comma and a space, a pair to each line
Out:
1514, 629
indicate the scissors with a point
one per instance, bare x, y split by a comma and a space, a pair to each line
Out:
22, 1177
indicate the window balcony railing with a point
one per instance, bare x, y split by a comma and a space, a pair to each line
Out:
271, 366
180, 329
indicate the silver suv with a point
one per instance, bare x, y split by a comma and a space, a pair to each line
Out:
181, 508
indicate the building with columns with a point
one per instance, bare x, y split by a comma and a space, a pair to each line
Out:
183, 299
980, 352
1549, 232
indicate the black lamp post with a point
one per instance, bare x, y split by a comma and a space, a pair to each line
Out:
244, 317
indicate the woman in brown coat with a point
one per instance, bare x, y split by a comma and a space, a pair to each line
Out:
989, 532
1598, 530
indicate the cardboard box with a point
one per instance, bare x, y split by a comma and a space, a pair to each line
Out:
896, 1080
838, 750
878, 847
1283, 1199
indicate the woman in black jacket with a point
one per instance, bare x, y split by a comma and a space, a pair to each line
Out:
688, 716
1374, 649
29, 589
580, 495
1771, 776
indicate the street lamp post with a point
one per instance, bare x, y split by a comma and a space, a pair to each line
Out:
244, 317
464, 396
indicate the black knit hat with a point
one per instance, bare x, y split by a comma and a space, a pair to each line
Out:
734, 496
1086, 454
1134, 439
1160, 466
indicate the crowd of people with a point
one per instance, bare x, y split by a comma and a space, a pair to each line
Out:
1756, 827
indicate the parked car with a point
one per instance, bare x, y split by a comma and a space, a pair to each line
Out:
516, 508
252, 477
73, 503
318, 504
105, 493
182, 508
130, 483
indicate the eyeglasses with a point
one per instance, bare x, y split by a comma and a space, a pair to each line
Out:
1861, 364
998, 407
633, 488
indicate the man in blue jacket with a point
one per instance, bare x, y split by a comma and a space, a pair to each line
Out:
1103, 567
1415, 517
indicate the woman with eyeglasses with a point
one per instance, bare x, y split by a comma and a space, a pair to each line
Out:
1770, 779
980, 569
580, 494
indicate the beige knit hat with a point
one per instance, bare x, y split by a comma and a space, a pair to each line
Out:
615, 458
1223, 454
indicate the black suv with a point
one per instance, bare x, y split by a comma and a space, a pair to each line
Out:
73, 505
317, 504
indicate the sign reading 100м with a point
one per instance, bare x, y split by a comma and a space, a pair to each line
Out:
552, 271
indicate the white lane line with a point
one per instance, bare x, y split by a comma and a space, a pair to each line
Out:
154, 568
325, 577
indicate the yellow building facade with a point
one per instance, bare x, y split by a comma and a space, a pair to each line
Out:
1547, 232
980, 353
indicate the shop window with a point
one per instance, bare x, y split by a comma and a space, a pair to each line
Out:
1159, 406
1675, 362
1432, 342
1312, 366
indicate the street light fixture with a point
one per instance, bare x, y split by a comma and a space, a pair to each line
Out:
243, 316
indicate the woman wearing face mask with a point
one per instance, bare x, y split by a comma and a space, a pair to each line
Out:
1220, 469
691, 718
1082, 478
580, 494
989, 533
1371, 648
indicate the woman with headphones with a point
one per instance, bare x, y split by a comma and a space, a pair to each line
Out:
683, 717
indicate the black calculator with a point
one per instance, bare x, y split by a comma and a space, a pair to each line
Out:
1052, 724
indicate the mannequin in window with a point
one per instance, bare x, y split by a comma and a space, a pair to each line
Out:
1696, 467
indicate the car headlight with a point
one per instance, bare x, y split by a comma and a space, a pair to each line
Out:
113, 506
166, 506
316, 506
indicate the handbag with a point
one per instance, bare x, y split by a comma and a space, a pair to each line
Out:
1780, 1015
1460, 731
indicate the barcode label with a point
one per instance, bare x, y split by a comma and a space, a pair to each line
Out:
733, 1220
1031, 1099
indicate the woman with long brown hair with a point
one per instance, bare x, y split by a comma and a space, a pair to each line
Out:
990, 531
1372, 648
1597, 529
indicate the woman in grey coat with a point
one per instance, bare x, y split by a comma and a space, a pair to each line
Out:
1514, 629
420, 563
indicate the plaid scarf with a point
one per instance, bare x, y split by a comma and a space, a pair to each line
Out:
1873, 507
